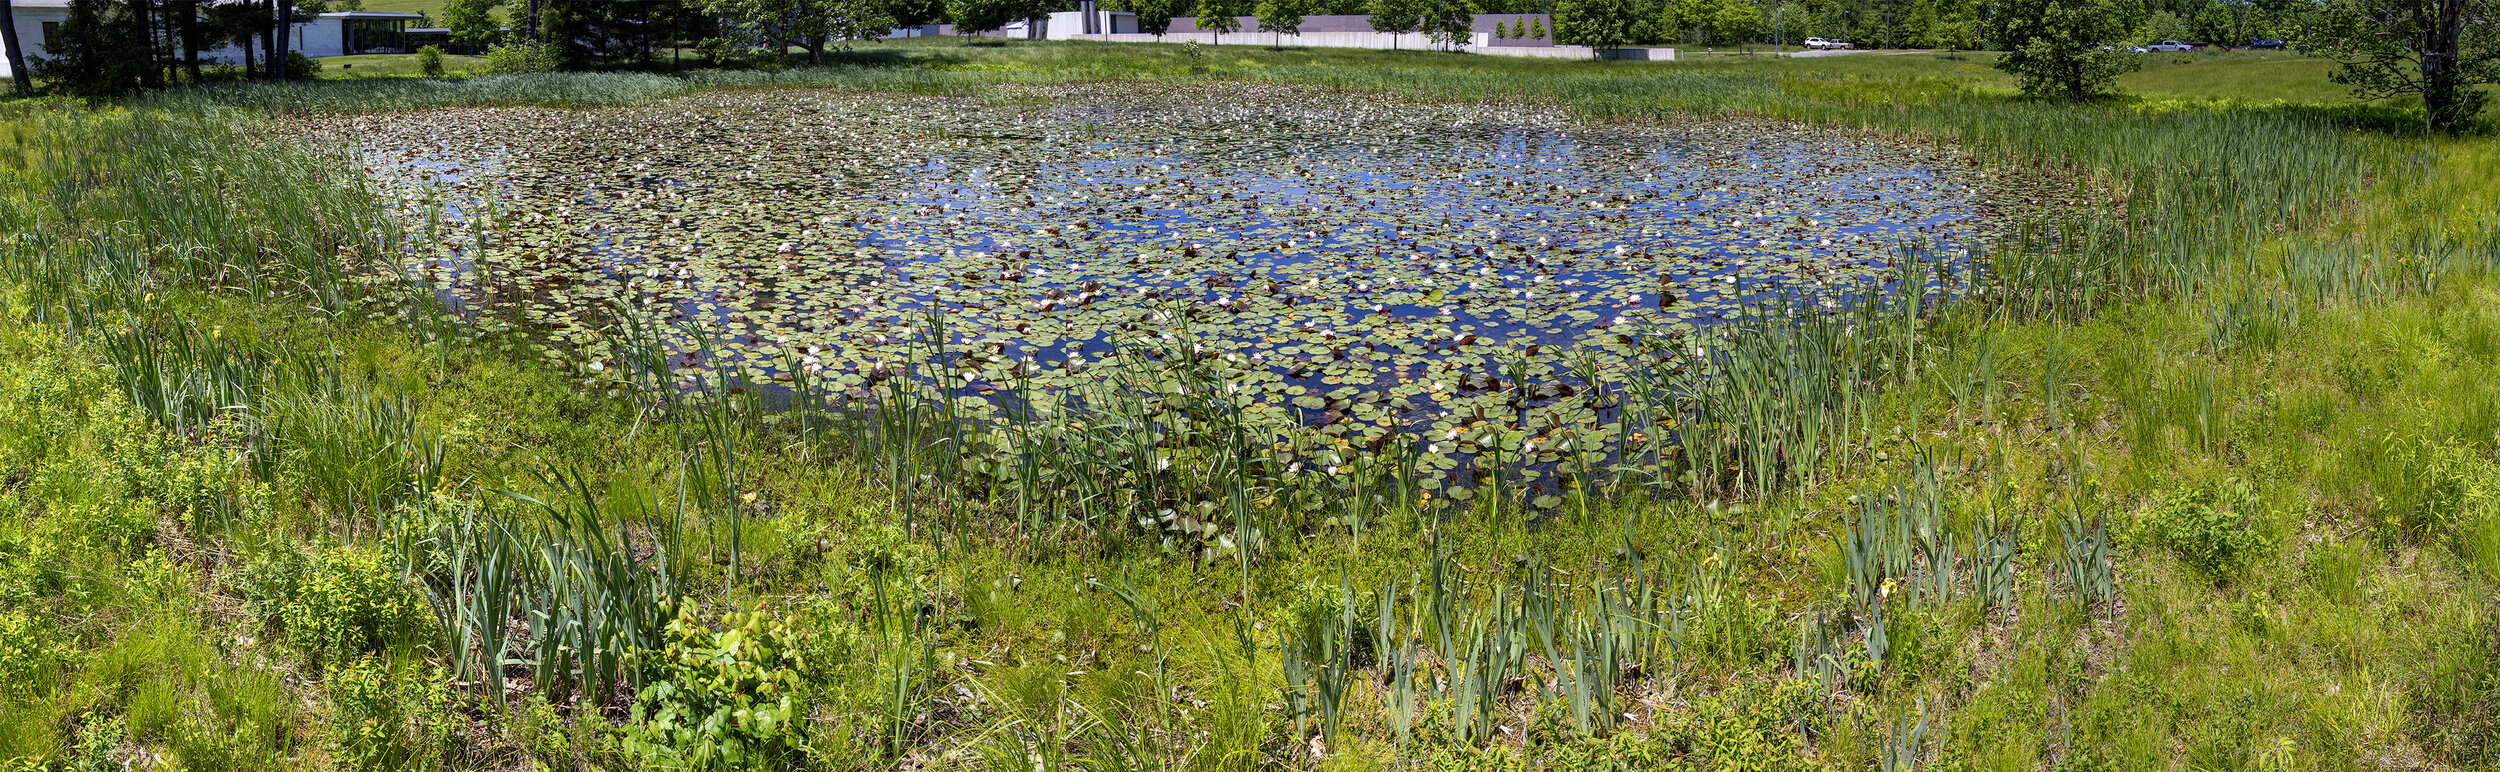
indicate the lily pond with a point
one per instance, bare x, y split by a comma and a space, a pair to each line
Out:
1348, 266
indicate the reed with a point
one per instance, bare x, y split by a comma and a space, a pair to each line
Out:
2226, 215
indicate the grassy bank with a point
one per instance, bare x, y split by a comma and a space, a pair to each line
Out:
2204, 480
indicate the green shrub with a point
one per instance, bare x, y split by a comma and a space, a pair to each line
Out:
523, 57
268, 581
300, 66
720, 699
100, 739
430, 62
2459, 505
723, 52
2196, 525
1752, 727
345, 603
388, 717
27, 654
1492, 758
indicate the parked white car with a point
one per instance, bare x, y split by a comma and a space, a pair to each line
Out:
2171, 46
1820, 44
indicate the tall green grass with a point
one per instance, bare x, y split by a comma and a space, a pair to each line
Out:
1433, 626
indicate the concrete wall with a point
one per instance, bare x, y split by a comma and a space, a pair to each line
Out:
29, 32
1409, 42
1480, 43
1345, 31
324, 37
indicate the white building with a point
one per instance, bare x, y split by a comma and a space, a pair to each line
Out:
1323, 31
329, 34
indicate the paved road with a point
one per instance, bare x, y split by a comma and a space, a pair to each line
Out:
1848, 51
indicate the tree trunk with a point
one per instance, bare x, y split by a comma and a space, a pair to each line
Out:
187, 16
529, 30
815, 52
269, 41
251, 64
286, 28
144, 22
2443, 95
17, 56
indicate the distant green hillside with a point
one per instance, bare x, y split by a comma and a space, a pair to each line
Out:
433, 9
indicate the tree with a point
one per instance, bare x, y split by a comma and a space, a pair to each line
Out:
1155, 16
2054, 46
278, 41
241, 25
1282, 17
2443, 51
808, 24
473, 23
1599, 23
1735, 21
592, 32
976, 16
1397, 17
99, 50
183, 29
17, 55
1450, 22
1219, 17
914, 13
2163, 25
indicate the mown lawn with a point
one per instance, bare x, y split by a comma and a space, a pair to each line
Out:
391, 66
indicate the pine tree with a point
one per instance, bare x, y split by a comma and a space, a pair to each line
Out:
99, 50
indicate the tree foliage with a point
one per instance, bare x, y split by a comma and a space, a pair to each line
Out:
1283, 17
1397, 17
1155, 16
987, 15
808, 24
100, 49
2443, 51
2055, 46
914, 13
473, 22
1449, 22
1219, 16
1715, 22
1603, 23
